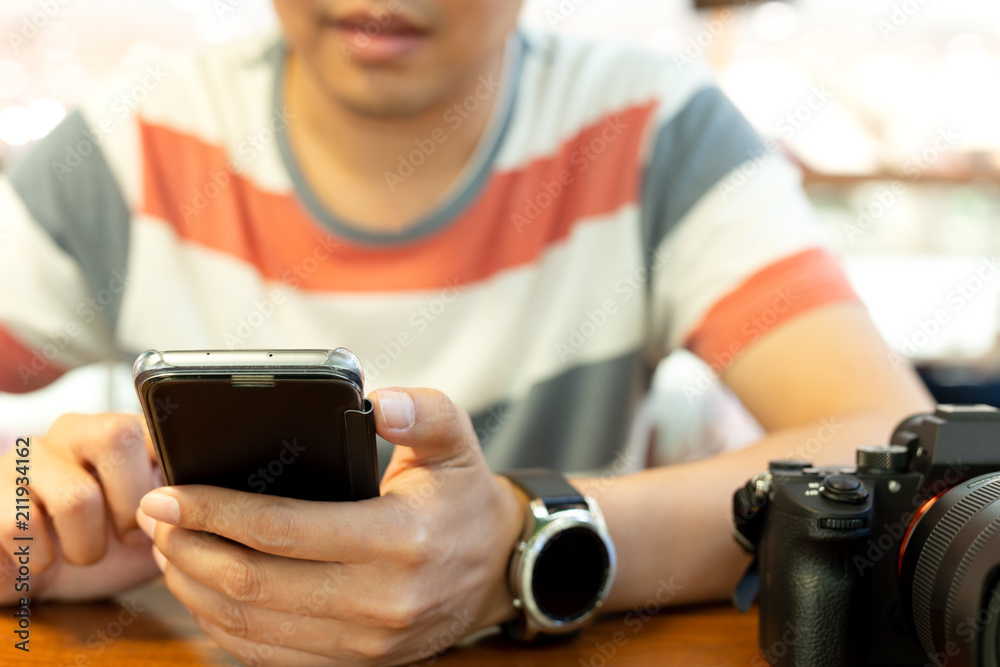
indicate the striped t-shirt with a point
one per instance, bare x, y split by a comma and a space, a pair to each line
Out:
617, 207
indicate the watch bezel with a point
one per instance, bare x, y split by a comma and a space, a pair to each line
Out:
546, 526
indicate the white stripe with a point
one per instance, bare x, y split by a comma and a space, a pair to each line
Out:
755, 216
222, 96
119, 143
491, 343
44, 298
568, 85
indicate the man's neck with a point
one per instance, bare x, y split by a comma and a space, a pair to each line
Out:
356, 164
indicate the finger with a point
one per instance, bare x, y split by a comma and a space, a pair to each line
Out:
263, 654
323, 590
8, 574
320, 636
117, 447
339, 642
74, 504
41, 545
122, 567
352, 532
37, 538
426, 421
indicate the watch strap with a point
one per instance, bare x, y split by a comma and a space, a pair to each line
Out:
548, 485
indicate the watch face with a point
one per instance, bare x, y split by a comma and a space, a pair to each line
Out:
570, 572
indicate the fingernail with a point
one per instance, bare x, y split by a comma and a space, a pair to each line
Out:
135, 538
161, 507
161, 562
397, 408
147, 524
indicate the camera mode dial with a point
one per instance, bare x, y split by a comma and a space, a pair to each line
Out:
883, 458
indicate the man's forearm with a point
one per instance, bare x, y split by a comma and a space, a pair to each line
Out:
672, 526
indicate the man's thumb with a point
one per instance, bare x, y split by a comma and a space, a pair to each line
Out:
425, 420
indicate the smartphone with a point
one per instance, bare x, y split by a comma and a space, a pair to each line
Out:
291, 423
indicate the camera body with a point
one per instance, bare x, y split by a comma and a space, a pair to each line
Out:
863, 565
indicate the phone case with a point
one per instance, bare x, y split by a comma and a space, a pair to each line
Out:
356, 471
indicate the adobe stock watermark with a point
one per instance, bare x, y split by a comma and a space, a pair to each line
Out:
318, 601
460, 625
260, 312
773, 654
224, 7
80, 492
87, 311
712, 28
899, 15
828, 429
887, 544
454, 118
786, 127
33, 23
263, 309
795, 119
267, 475
914, 167
363, 34
549, 191
623, 463
957, 298
492, 424
263, 652
563, 12
635, 621
124, 104
246, 152
163, 408
100, 640
969, 628
419, 321
596, 319
752, 329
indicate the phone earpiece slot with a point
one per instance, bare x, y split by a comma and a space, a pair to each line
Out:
253, 380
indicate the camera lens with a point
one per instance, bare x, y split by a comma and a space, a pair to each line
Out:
949, 569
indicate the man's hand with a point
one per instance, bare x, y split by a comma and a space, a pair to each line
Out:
388, 580
86, 476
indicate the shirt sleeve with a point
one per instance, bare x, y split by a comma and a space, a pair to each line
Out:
64, 227
733, 245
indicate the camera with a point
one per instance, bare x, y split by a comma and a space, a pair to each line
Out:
892, 562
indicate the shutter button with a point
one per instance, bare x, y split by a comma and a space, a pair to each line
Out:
843, 489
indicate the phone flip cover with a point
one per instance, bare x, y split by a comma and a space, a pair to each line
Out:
362, 452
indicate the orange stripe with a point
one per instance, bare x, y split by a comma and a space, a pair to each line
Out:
767, 299
276, 234
23, 369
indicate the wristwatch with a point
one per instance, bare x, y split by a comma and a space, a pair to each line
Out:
563, 566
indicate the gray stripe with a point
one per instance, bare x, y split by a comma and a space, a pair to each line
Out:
577, 421
439, 217
67, 186
694, 150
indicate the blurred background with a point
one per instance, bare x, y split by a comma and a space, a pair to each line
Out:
890, 107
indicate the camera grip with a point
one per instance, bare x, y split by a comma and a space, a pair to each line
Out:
811, 614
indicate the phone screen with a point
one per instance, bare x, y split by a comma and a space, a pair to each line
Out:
283, 436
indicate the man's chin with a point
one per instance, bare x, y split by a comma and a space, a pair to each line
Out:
383, 93
383, 108
386, 103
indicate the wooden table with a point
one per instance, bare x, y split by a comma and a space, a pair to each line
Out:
148, 628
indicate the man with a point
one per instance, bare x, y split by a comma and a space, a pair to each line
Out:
524, 223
